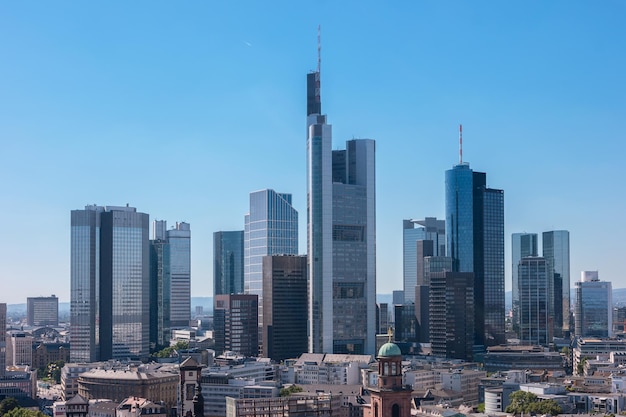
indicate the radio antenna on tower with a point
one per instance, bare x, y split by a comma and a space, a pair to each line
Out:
460, 144
319, 47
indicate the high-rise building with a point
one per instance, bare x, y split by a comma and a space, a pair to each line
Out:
160, 284
414, 231
19, 348
228, 262
179, 239
3, 345
341, 236
236, 322
284, 307
535, 289
556, 251
451, 296
110, 277
42, 311
271, 228
522, 246
475, 238
594, 306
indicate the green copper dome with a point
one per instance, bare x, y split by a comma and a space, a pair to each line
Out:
389, 349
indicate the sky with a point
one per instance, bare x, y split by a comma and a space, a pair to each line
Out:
181, 109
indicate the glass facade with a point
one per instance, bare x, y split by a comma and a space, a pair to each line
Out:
160, 327
110, 283
535, 294
228, 262
594, 306
179, 239
493, 270
522, 246
556, 251
460, 216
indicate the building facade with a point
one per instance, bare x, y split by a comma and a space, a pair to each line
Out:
42, 311
228, 262
110, 283
341, 236
556, 251
594, 306
535, 289
235, 318
522, 245
475, 239
3, 343
284, 307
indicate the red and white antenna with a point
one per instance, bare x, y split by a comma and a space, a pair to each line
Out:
460, 144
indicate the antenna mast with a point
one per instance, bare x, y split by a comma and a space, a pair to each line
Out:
460, 144
319, 47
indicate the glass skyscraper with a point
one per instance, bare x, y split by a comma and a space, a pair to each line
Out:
228, 262
341, 236
594, 306
522, 246
556, 252
271, 228
475, 239
109, 308
535, 301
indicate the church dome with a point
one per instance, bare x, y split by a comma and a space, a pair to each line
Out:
388, 350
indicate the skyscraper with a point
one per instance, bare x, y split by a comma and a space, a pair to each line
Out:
535, 288
179, 239
341, 236
522, 246
594, 306
284, 306
160, 284
475, 238
228, 262
42, 311
109, 309
235, 317
271, 228
556, 252
419, 230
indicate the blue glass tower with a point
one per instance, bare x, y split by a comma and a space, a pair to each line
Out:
228, 262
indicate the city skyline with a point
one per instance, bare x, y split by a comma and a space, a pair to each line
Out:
541, 104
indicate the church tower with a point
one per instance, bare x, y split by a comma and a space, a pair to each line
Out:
390, 398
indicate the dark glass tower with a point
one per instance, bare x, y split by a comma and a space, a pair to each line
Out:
475, 238
228, 262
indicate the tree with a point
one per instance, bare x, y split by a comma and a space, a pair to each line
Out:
527, 402
8, 404
168, 351
24, 412
480, 408
286, 392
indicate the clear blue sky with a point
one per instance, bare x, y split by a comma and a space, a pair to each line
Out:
182, 108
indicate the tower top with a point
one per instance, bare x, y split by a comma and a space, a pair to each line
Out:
460, 144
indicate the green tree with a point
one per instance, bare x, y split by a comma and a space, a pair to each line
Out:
24, 412
168, 351
527, 402
8, 404
480, 408
286, 392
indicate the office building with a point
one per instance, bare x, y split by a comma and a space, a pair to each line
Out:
594, 306
236, 323
414, 231
535, 289
522, 246
42, 311
160, 294
383, 316
451, 299
228, 262
178, 240
19, 348
110, 277
341, 239
271, 228
475, 238
284, 307
556, 252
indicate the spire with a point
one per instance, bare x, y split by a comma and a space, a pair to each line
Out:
319, 48
460, 144
313, 96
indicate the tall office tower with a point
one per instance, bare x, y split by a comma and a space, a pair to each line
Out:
42, 311
522, 245
228, 262
451, 314
110, 284
341, 236
594, 306
271, 228
160, 283
236, 322
179, 239
556, 252
383, 318
19, 346
284, 307
475, 238
535, 289
405, 325
414, 231
3, 343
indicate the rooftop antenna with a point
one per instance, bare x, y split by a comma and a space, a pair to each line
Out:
319, 47
460, 144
